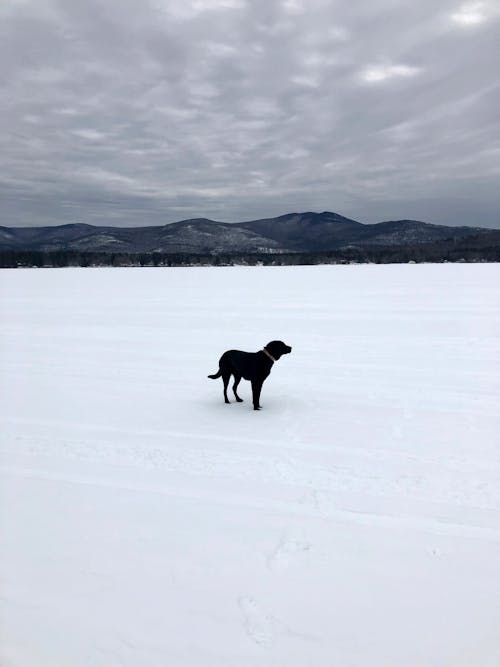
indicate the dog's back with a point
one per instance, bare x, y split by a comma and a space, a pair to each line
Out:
238, 362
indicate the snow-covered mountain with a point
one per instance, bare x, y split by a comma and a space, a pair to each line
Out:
293, 232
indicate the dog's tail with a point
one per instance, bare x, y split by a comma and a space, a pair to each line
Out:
215, 375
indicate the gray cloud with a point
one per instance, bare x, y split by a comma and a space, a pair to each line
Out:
143, 113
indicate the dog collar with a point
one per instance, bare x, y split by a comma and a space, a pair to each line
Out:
269, 355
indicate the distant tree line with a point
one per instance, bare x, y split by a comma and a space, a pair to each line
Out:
472, 249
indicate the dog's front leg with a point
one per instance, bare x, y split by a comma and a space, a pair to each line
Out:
256, 389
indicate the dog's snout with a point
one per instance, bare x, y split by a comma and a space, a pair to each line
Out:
289, 349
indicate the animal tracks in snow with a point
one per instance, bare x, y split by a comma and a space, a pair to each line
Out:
264, 629
288, 552
259, 625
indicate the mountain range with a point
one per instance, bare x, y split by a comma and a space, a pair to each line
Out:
293, 232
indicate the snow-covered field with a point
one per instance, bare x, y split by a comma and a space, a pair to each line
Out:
353, 522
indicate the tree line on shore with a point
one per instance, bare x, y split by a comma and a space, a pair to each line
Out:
464, 250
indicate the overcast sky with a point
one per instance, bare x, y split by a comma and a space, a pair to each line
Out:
132, 112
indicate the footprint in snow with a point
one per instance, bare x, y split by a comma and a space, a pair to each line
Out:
287, 552
435, 552
259, 625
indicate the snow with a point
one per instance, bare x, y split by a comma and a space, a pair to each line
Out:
354, 521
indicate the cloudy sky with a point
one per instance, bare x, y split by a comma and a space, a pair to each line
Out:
131, 112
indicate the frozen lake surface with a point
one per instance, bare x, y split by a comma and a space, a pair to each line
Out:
353, 522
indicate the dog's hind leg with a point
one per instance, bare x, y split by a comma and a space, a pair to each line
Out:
256, 389
237, 379
226, 375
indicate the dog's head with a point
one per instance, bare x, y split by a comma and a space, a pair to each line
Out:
277, 348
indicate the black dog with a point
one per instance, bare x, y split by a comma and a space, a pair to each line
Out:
253, 366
